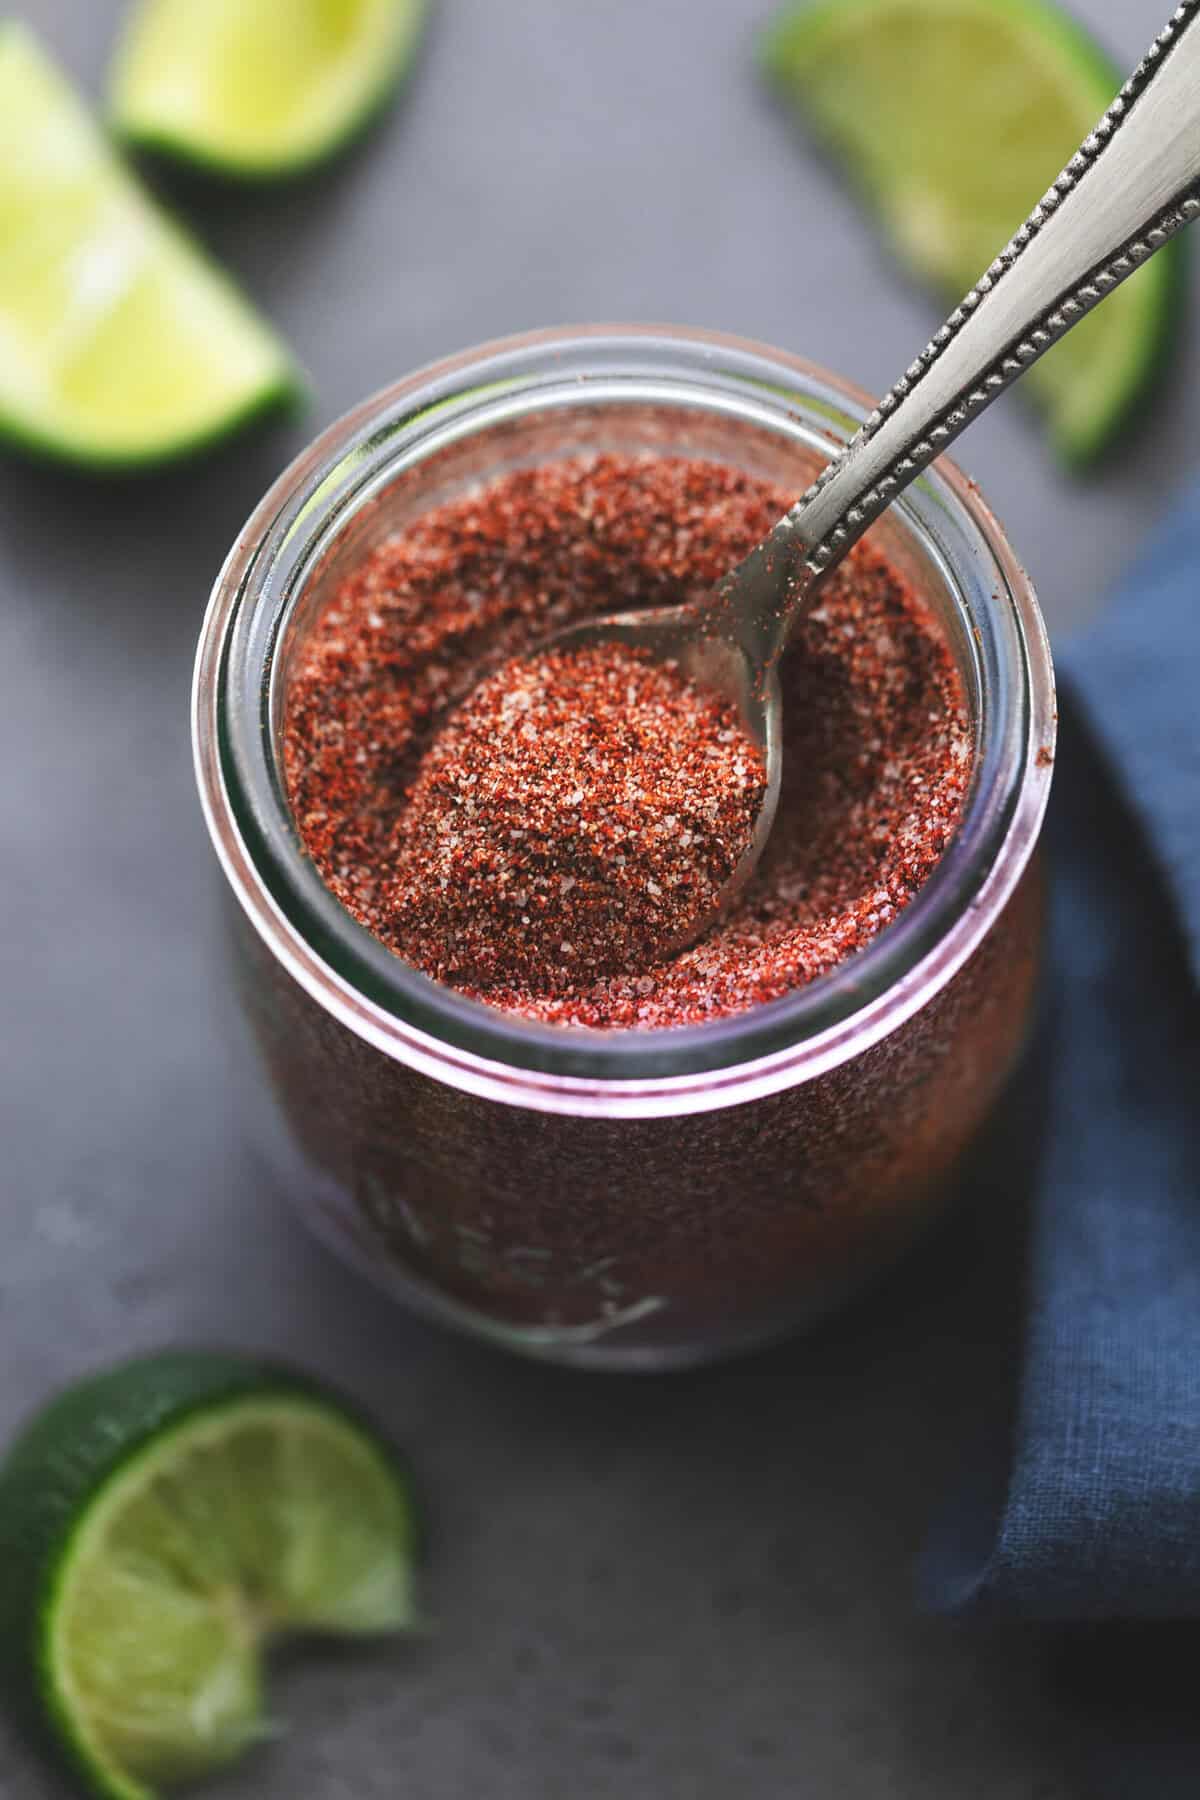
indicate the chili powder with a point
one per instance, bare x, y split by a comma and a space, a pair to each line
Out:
877, 744
578, 815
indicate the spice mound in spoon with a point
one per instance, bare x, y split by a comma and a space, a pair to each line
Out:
577, 816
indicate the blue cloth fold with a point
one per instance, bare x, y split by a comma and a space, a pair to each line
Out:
1138, 676
1084, 1502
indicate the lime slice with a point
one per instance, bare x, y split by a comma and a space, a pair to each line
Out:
256, 87
953, 117
120, 343
163, 1522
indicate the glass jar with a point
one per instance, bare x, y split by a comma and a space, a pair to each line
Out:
620, 1198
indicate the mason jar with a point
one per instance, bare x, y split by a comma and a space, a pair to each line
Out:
623, 1198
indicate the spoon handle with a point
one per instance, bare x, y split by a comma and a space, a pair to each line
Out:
1134, 182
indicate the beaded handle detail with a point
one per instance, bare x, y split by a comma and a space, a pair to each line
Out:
1133, 183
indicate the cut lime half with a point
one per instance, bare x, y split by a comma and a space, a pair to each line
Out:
258, 88
120, 343
160, 1525
952, 118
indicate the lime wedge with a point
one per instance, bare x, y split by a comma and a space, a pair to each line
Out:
163, 1522
953, 117
256, 87
120, 343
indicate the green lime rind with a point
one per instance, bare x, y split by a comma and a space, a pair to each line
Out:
122, 345
286, 398
182, 82
951, 118
194, 1503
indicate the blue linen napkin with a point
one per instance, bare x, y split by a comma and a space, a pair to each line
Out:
1084, 1505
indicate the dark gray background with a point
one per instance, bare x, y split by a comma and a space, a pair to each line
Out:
663, 1589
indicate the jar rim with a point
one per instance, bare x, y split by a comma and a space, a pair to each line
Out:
618, 1071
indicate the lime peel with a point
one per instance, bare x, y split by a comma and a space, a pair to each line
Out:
159, 1526
121, 343
255, 89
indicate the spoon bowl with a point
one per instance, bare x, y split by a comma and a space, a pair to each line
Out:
700, 640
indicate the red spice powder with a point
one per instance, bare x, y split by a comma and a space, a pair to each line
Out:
877, 743
578, 815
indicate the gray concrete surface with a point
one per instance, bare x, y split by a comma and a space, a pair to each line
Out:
666, 1590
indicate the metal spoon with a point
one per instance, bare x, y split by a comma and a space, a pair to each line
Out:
1133, 183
